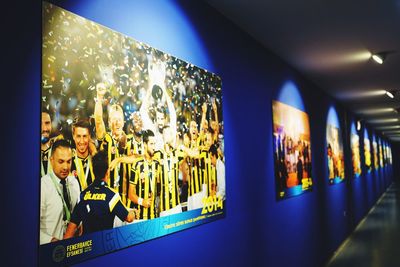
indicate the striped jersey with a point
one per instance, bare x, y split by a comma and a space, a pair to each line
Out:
82, 169
145, 178
208, 172
169, 195
120, 176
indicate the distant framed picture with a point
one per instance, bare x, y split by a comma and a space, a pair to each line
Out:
132, 141
334, 148
355, 151
367, 152
375, 152
292, 150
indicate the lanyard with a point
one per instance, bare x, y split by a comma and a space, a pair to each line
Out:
66, 210
48, 163
80, 171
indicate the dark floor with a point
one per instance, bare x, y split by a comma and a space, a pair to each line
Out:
376, 241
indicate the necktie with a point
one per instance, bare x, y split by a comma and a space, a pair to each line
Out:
65, 194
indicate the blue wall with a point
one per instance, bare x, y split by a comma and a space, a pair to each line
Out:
258, 230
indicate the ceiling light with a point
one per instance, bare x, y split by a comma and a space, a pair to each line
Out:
389, 94
391, 132
361, 94
373, 111
378, 58
383, 120
388, 127
358, 125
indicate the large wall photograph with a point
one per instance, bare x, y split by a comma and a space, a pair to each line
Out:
132, 141
292, 150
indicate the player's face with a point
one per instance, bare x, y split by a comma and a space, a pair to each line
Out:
186, 140
160, 120
116, 122
205, 126
167, 135
137, 123
150, 146
214, 125
81, 138
193, 128
209, 140
46, 125
61, 162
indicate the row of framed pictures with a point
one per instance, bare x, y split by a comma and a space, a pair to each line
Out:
292, 150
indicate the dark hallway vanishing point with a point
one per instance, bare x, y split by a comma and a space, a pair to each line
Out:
375, 242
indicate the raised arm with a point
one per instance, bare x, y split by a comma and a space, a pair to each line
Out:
98, 111
216, 122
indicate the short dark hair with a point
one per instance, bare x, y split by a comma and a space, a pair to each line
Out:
60, 143
100, 164
82, 123
213, 150
146, 135
46, 110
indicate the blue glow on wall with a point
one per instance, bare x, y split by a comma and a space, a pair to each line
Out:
333, 117
160, 24
290, 95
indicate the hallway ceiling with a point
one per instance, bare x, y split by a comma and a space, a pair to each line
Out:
330, 43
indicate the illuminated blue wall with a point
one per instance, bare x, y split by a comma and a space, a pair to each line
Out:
258, 230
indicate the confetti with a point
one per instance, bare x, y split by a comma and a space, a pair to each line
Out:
51, 58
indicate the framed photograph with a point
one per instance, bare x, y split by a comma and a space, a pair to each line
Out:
375, 152
292, 150
380, 149
355, 151
334, 148
132, 141
367, 152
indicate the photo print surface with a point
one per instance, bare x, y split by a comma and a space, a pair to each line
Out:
292, 150
334, 148
367, 152
355, 151
132, 141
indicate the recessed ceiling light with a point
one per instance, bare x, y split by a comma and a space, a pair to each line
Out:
358, 125
389, 94
373, 111
388, 127
383, 120
361, 94
379, 58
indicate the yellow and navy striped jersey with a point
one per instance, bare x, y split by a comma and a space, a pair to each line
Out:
98, 205
82, 169
145, 178
208, 172
120, 176
133, 147
169, 195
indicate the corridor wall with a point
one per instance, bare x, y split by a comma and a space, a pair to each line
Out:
258, 230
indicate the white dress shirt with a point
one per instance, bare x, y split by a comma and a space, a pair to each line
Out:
52, 222
220, 179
